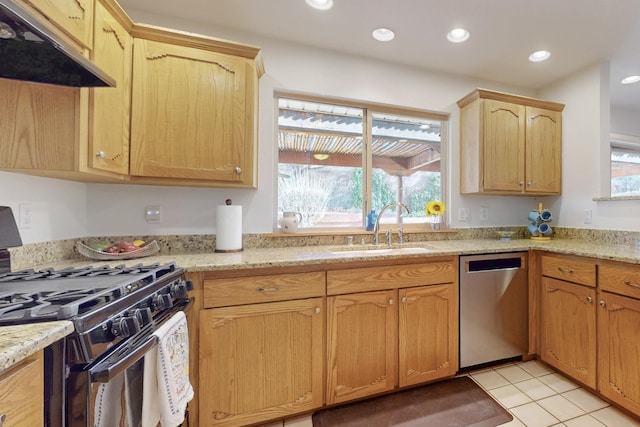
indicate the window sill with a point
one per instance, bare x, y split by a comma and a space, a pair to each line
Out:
615, 199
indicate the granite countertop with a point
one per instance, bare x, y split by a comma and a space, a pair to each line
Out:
18, 342
337, 254
21, 341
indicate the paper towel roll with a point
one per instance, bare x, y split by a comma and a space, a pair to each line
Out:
229, 228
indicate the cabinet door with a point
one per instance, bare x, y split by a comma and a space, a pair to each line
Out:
619, 347
192, 114
428, 333
260, 361
21, 393
75, 17
543, 151
361, 345
568, 336
504, 145
110, 106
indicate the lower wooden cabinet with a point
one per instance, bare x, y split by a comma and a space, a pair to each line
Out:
619, 349
388, 338
22, 393
361, 345
428, 333
568, 332
618, 339
260, 361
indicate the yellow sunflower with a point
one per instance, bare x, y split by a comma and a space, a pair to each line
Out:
435, 207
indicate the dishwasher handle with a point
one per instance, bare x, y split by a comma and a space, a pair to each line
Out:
497, 264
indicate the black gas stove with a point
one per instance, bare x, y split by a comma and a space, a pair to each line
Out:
115, 310
106, 304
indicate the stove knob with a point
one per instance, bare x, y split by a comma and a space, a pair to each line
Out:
125, 327
144, 316
189, 285
162, 301
179, 290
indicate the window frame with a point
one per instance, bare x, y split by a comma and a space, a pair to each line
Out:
624, 142
369, 109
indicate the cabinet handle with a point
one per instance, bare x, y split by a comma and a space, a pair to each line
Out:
237, 169
530, 183
589, 300
3, 418
317, 310
100, 155
272, 289
633, 285
391, 302
565, 270
404, 300
521, 183
602, 303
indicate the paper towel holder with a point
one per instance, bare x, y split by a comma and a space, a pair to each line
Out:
228, 202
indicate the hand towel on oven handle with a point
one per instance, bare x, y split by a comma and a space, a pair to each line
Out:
166, 384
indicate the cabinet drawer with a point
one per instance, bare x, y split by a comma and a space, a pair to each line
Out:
256, 289
620, 279
571, 269
379, 278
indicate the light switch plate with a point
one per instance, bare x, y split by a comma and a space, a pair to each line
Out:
587, 216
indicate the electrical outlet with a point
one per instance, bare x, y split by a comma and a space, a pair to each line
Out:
25, 218
484, 214
587, 216
464, 214
152, 214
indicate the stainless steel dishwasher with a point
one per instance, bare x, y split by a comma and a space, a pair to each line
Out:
493, 308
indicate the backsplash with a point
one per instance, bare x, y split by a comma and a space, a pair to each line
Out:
39, 254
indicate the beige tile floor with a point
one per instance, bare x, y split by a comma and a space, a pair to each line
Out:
536, 396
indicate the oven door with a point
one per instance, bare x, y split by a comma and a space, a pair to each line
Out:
109, 392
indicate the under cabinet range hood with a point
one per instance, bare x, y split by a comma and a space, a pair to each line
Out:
30, 51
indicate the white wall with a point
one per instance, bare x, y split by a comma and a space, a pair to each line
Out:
626, 122
58, 208
119, 209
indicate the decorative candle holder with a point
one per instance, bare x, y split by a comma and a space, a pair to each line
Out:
539, 220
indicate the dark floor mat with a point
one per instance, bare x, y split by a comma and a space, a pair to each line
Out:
457, 402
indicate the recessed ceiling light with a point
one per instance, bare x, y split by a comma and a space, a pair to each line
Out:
541, 55
630, 79
320, 4
383, 34
458, 35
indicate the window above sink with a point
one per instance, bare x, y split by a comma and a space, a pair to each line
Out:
340, 159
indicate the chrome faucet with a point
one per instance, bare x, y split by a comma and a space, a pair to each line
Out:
376, 227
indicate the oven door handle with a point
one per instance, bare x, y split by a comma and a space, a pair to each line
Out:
115, 369
104, 375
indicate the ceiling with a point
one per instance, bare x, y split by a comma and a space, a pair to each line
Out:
578, 33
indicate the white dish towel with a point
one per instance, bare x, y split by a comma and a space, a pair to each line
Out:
166, 384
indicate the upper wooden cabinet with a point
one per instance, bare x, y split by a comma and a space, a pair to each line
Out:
74, 17
184, 114
509, 145
194, 109
110, 108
